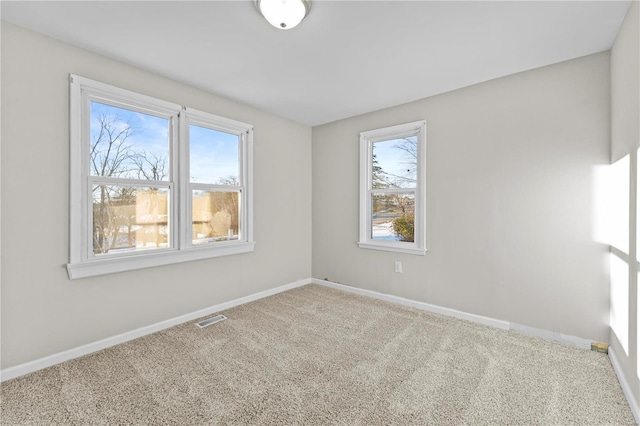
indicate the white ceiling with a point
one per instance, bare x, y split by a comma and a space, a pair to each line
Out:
346, 58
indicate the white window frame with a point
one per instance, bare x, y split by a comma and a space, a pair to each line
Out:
82, 261
367, 139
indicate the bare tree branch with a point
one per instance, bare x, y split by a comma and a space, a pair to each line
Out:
150, 166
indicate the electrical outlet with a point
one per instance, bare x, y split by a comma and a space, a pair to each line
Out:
398, 266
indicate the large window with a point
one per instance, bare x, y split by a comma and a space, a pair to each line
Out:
153, 183
392, 188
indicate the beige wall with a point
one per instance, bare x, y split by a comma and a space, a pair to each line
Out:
625, 140
45, 313
510, 166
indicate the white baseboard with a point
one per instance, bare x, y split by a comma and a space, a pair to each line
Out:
505, 325
553, 336
48, 361
415, 304
633, 402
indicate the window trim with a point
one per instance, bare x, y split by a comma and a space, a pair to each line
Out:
81, 263
367, 139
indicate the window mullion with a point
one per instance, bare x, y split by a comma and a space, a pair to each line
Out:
184, 206
214, 187
102, 180
392, 190
174, 178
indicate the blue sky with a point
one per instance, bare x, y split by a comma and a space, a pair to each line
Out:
394, 161
213, 154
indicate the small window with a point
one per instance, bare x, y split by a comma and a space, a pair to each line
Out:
153, 183
392, 188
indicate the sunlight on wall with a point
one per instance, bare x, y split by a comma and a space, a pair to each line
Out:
599, 208
619, 316
619, 191
611, 204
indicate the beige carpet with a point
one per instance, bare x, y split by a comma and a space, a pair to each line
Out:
315, 356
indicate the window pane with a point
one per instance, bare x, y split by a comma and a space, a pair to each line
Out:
128, 218
393, 217
395, 163
128, 144
215, 216
213, 156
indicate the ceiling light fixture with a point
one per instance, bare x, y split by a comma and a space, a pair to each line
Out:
284, 14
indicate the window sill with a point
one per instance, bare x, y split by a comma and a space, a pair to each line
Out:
105, 266
397, 247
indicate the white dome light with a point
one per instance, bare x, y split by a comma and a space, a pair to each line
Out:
284, 14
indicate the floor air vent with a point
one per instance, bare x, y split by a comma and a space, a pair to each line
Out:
211, 320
